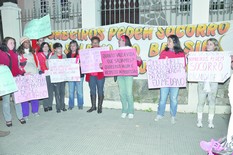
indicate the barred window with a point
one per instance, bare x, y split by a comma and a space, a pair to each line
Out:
44, 7
184, 5
65, 6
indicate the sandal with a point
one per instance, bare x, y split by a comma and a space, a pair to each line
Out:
8, 123
22, 121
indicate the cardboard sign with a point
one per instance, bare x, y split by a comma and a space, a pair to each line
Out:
31, 87
209, 66
166, 73
38, 28
7, 82
90, 59
120, 62
61, 70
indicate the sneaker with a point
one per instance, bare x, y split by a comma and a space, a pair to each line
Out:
211, 125
123, 115
26, 118
130, 116
158, 117
80, 107
70, 108
173, 120
36, 114
199, 123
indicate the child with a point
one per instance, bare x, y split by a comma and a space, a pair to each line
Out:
96, 80
125, 83
59, 87
43, 55
28, 64
75, 85
8, 46
207, 90
173, 50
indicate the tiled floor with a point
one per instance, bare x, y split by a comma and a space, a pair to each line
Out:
77, 132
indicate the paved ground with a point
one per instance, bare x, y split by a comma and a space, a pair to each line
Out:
77, 132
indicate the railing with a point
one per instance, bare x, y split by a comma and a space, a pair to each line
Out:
220, 10
69, 17
151, 12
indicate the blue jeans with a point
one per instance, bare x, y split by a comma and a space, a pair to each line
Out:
126, 93
173, 93
93, 83
78, 86
7, 108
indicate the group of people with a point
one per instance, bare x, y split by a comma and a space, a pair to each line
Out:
26, 60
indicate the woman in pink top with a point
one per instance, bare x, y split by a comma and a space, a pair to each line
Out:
173, 50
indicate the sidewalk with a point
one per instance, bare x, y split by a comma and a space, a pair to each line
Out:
77, 132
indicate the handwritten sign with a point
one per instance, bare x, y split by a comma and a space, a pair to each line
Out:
166, 73
61, 70
38, 28
209, 66
120, 62
7, 82
31, 87
90, 59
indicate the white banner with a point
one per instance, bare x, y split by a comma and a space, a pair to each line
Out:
63, 70
209, 66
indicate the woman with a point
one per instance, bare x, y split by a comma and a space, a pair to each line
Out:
173, 50
8, 46
43, 55
75, 85
96, 80
28, 64
125, 83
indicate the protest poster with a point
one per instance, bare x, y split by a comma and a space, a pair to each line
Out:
166, 73
120, 62
209, 66
7, 82
38, 28
30, 87
61, 70
90, 59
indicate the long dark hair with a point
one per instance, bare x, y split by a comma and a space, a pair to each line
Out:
4, 44
177, 47
68, 55
126, 40
20, 49
42, 46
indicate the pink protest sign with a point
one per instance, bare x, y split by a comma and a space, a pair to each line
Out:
166, 73
90, 59
120, 62
30, 87
209, 66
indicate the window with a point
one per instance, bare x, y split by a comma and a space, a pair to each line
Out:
217, 5
65, 6
184, 6
44, 7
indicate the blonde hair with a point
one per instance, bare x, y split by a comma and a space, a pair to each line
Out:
215, 42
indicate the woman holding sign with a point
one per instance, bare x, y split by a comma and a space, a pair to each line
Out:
207, 90
8, 45
43, 55
96, 80
75, 85
173, 50
125, 83
28, 64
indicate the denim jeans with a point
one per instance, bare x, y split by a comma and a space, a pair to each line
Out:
173, 93
125, 84
78, 86
93, 83
59, 89
7, 108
